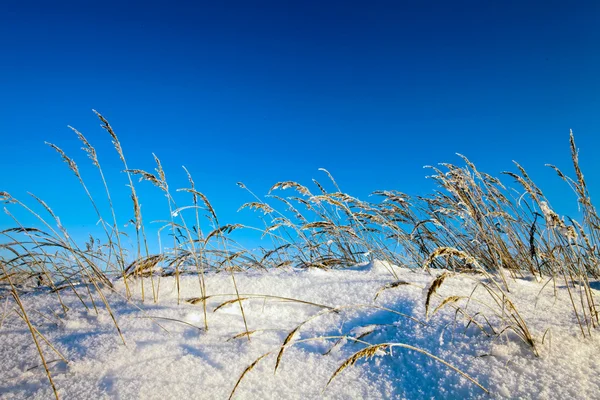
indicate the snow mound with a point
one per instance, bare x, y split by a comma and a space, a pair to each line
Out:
169, 355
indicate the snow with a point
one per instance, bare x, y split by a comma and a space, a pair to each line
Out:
167, 359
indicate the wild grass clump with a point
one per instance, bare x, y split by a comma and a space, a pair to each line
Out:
471, 225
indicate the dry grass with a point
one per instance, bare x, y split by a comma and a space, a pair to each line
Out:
472, 223
435, 284
373, 350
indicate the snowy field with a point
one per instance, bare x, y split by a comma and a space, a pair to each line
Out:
169, 355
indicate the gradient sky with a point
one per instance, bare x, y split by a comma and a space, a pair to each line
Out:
260, 92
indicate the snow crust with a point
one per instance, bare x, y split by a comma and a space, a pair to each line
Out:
166, 359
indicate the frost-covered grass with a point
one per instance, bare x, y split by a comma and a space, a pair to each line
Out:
476, 288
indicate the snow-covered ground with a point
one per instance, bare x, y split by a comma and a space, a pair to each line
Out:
177, 360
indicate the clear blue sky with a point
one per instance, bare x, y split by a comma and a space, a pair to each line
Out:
266, 91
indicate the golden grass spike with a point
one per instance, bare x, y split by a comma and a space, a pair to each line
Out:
229, 302
72, 166
288, 338
528, 179
88, 148
196, 300
328, 198
366, 353
159, 170
274, 251
146, 176
248, 369
24, 230
575, 158
435, 285
144, 264
242, 334
558, 171
111, 132
449, 251
367, 333
446, 301
370, 351
390, 286
5, 196
264, 207
225, 229
207, 204
291, 184
523, 182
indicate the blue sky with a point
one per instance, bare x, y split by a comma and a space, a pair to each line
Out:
260, 92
